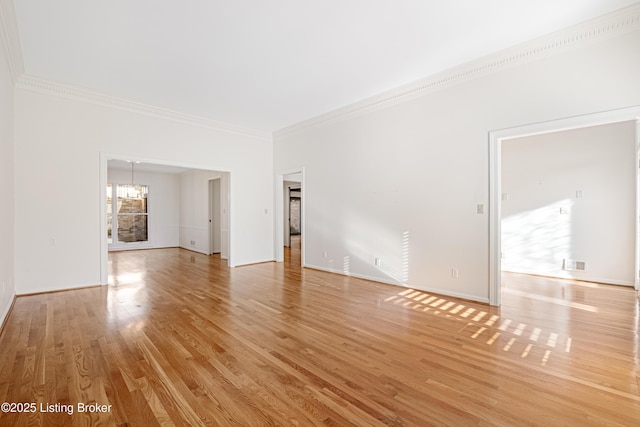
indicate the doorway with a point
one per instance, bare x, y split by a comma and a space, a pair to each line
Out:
290, 213
294, 214
167, 227
294, 227
496, 139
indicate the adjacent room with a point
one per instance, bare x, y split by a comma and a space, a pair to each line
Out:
162, 206
319, 213
568, 204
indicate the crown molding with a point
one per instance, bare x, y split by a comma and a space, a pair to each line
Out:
11, 39
83, 94
614, 24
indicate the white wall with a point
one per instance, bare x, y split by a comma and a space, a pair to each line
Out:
587, 173
163, 205
402, 183
7, 283
59, 141
194, 210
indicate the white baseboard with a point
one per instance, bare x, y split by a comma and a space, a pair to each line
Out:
442, 292
6, 312
585, 278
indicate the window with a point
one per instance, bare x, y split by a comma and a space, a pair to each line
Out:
128, 218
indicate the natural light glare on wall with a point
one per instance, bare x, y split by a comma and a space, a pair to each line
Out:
538, 240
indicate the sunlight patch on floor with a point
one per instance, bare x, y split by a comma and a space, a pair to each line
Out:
551, 300
533, 339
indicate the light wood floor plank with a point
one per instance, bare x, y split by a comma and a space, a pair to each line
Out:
180, 339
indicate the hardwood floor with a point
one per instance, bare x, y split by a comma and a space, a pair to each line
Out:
179, 339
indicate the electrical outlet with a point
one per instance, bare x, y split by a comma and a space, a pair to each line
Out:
52, 241
455, 273
480, 209
378, 262
193, 242
324, 254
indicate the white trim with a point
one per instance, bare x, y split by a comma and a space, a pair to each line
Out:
194, 250
104, 244
69, 91
231, 257
7, 310
495, 215
495, 175
119, 247
44, 290
636, 273
278, 210
303, 218
588, 279
443, 292
11, 39
610, 25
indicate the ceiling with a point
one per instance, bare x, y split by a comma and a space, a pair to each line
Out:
265, 65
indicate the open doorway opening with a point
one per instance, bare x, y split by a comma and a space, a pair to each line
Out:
497, 194
290, 222
568, 204
293, 230
177, 210
294, 213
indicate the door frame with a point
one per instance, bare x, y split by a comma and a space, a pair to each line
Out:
103, 178
495, 180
